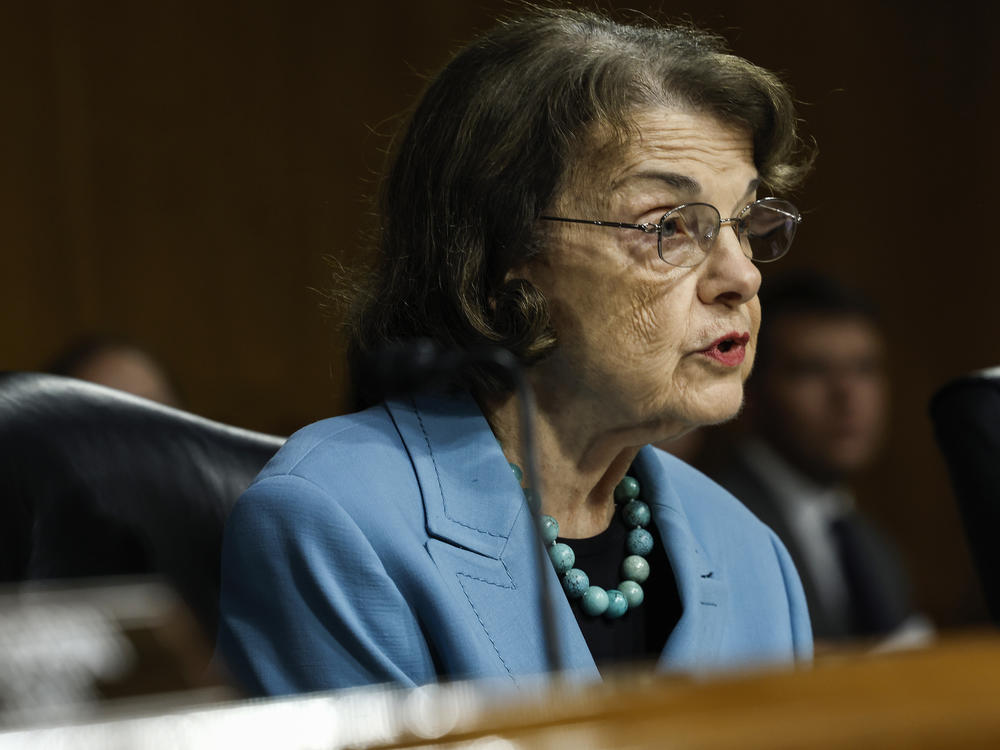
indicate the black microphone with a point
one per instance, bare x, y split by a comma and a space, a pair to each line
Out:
418, 364
415, 365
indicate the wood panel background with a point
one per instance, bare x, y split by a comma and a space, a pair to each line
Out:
180, 172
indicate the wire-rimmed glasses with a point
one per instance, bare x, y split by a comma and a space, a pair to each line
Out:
685, 235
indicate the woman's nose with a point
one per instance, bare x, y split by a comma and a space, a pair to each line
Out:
729, 276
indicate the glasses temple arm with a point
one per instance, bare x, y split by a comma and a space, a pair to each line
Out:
648, 228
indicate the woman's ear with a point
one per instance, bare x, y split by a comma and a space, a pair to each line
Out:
533, 268
520, 271
521, 317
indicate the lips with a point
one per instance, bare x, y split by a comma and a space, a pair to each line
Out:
729, 350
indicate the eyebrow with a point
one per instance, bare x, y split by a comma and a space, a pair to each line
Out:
753, 186
681, 182
676, 180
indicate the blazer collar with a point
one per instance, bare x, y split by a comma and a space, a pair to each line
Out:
471, 497
475, 506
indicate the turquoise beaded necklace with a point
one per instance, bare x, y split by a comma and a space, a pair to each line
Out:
594, 600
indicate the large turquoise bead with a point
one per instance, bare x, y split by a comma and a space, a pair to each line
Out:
632, 592
639, 542
627, 489
575, 583
635, 513
595, 601
548, 527
635, 568
617, 604
562, 557
518, 474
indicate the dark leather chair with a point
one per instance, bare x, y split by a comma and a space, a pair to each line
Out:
966, 417
97, 482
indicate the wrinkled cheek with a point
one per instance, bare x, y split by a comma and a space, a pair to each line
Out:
650, 326
641, 342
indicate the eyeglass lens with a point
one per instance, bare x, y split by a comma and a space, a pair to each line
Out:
765, 228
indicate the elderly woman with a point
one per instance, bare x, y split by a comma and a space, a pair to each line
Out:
588, 196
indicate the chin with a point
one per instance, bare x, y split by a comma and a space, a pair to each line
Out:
715, 405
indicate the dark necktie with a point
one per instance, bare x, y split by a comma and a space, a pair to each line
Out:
876, 585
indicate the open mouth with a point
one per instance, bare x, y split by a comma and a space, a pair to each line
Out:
729, 350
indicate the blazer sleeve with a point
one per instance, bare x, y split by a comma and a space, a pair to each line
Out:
306, 603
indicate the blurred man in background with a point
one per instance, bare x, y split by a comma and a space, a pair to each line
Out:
817, 404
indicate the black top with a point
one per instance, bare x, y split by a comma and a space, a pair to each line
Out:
639, 634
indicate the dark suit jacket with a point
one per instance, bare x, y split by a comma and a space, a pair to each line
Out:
878, 587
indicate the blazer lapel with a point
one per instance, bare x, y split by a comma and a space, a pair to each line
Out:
482, 536
697, 637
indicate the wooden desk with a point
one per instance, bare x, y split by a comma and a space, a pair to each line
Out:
946, 696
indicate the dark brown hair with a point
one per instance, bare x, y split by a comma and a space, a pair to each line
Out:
489, 144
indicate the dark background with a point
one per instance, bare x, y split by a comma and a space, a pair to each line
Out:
178, 173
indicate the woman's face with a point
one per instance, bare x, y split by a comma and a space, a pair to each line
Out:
638, 339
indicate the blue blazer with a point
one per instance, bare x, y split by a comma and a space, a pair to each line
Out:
394, 545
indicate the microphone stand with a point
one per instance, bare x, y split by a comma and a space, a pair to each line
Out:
526, 412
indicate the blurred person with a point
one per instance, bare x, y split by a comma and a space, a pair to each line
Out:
591, 197
119, 365
816, 412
